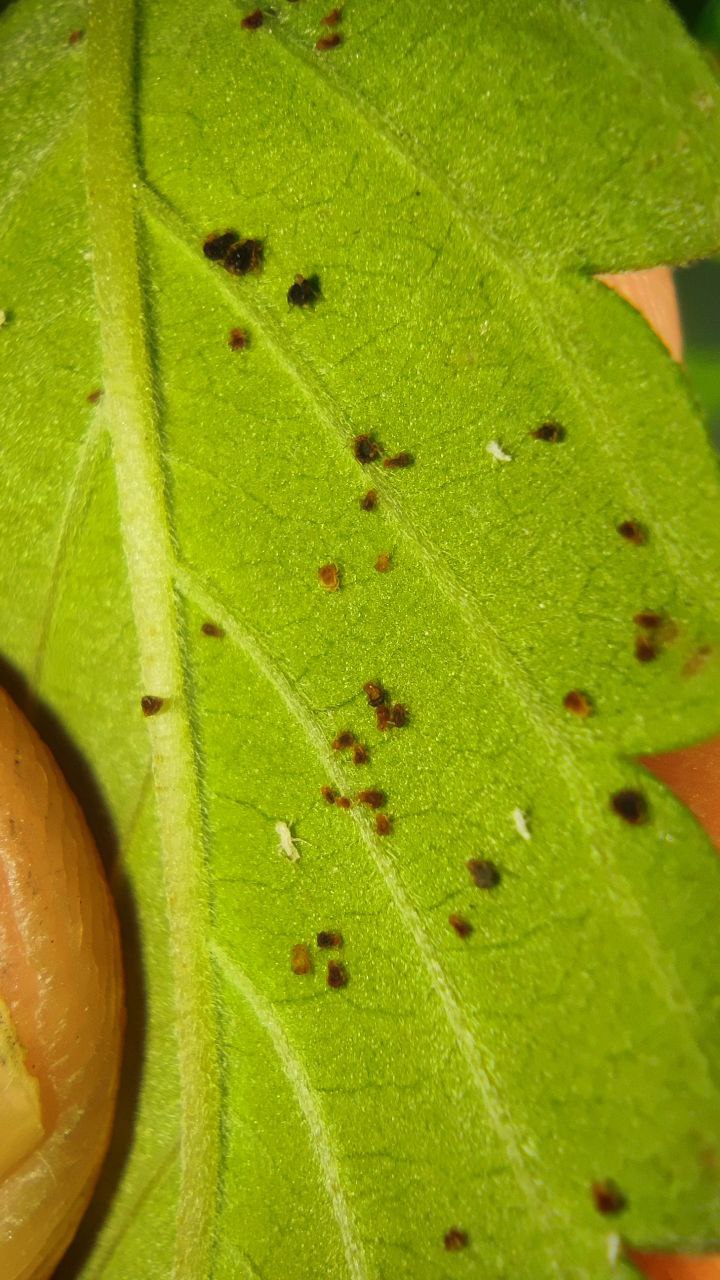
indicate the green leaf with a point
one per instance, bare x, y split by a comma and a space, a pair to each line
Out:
453, 175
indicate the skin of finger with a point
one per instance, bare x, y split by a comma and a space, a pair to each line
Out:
693, 773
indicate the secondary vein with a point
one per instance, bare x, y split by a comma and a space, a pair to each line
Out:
145, 521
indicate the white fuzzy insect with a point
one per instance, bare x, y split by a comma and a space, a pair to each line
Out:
497, 452
614, 1248
521, 824
288, 842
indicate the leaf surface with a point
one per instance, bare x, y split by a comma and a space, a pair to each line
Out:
452, 175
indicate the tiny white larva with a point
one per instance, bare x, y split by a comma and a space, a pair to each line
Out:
61, 1006
288, 842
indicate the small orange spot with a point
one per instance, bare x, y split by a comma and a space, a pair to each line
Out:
343, 741
360, 754
369, 500
373, 798
697, 660
329, 577
632, 531
462, 927
578, 703
375, 693
648, 620
328, 795
330, 41
384, 562
238, 339
95, 396
332, 18
399, 716
300, 959
76, 37
383, 824
399, 461
343, 802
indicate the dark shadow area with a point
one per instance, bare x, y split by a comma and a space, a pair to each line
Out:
689, 10
83, 783
698, 288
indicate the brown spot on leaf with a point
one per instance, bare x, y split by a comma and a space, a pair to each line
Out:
399, 716
369, 500
645, 649
383, 564
151, 704
462, 927
578, 703
337, 975
366, 449
373, 798
483, 873
75, 38
456, 1240
697, 660
374, 692
344, 740
217, 244
550, 432
238, 339
330, 41
343, 802
648, 620
360, 754
383, 717
94, 397
608, 1198
253, 20
329, 577
332, 18
329, 940
244, 256
300, 959
631, 806
633, 531
212, 629
328, 795
398, 461
383, 824
304, 292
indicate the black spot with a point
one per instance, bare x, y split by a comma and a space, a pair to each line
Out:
217, 244
551, 432
633, 531
455, 1240
244, 256
645, 649
337, 975
366, 449
483, 873
151, 704
608, 1198
631, 806
328, 940
252, 21
304, 292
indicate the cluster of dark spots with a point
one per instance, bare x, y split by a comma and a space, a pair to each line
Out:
252, 21
656, 630
631, 806
366, 450
550, 432
608, 1198
344, 740
373, 798
304, 291
212, 629
300, 959
329, 577
456, 1239
217, 244
360, 754
383, 564
151, 704
94, 397
328, 795
236, 255
375, 693
244, 256
330, 41
337, 975
462, 927
238, 339
398, 461
633, 532
383, 824
332, 19
483, 873
75, 37
578, 703
369, 500
697, 660
329, 940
